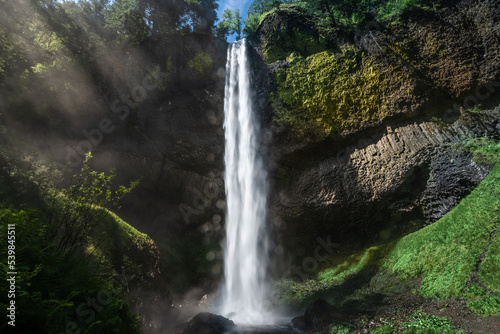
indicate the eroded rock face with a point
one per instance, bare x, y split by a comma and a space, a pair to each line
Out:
379, 187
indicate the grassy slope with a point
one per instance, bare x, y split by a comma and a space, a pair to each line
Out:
446, 253
459, 255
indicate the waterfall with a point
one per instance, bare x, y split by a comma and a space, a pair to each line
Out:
245, 253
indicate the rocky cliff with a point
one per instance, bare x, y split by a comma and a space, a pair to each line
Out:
363, 130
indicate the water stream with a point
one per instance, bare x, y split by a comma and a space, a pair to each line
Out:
245, 253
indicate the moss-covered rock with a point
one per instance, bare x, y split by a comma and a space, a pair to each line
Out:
290, 30
332, 93
119, 250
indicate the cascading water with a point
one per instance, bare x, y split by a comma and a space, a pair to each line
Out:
245, 254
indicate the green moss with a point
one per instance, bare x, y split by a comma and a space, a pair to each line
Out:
127, 230
399, 49
116, 246
329, 93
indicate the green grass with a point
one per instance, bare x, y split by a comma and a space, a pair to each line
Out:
353, 265
446, 253
422, 323
491, 265
482, 301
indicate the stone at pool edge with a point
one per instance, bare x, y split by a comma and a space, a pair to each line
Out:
208, 323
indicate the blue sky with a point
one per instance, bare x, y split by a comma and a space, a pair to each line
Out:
234, 4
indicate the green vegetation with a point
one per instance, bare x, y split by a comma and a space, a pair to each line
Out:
340, 329
53, 293
201, 63
395, 7
324, 91
69, 251
73, 214
482, 301
257, 10
55, 54
484, 151
446, 253
296, 40
230, 24
422, 323
335, 15
329, 93
383, 330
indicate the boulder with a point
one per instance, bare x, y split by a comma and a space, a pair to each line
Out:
208, 323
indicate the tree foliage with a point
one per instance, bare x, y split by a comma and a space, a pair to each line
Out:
54, 281
230, 24
260, 7
72, 216
203, 15
335, 14
256, 12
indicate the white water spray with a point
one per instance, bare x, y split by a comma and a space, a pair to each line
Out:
245, 254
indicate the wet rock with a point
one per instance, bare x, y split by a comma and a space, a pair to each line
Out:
208, 323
